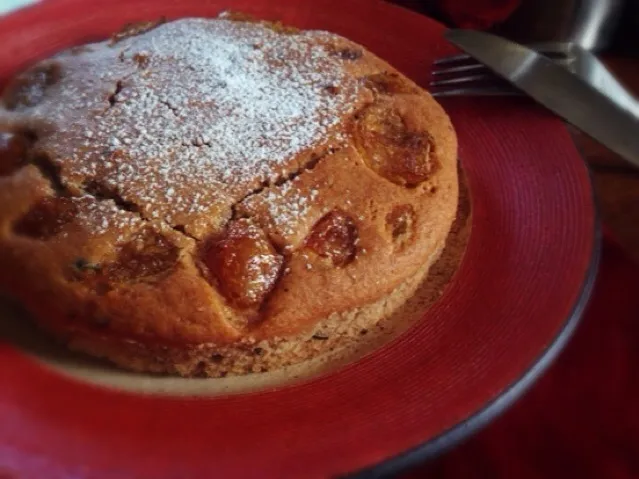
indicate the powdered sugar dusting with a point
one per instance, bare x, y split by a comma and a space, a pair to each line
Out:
288, 206
102, 217
202, 111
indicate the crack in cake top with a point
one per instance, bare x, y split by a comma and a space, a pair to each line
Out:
186, 119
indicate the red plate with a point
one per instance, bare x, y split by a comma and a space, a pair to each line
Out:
520, 288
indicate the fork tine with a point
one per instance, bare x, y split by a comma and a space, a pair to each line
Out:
472, 64
457, 80
486, 84
476, 91
452, 59
459, 69
553, 50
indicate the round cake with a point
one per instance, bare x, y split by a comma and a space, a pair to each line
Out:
207, 197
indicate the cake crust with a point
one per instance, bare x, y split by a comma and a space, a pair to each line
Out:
220, 196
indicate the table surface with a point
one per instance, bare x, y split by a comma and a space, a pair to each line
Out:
616, 182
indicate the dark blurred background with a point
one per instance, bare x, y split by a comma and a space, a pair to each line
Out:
541, 20
626, 39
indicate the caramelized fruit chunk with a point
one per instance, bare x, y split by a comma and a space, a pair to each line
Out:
79, 49
387, 83
142, 60
279, 27
13, 152
245, 264
400, 222
393, 151
334, 236
235, 16
28, 89
46, 218
135, 28
348, 53
148, 254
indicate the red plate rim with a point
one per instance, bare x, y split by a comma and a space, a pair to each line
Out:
466, 428
535, 235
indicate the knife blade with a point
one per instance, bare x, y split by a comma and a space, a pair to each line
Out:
556, 88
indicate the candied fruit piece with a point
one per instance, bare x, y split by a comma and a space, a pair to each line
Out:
279, 27
46, 218
334, 236
135, 28
392, 150
400, 222
387, 83
348, 53
245, 264
29, 89
13, 152
332, 89
235, 16
142, 60
149, 253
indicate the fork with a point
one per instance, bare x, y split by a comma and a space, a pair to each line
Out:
458, 75
461, 75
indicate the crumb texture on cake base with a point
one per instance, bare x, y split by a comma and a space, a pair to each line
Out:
338, 331
292, 184
16, 328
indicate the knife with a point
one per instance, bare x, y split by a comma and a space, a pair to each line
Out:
556, 88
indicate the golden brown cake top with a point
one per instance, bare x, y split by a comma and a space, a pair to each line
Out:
186, 119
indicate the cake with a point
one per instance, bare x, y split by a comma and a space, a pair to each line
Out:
208, 197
